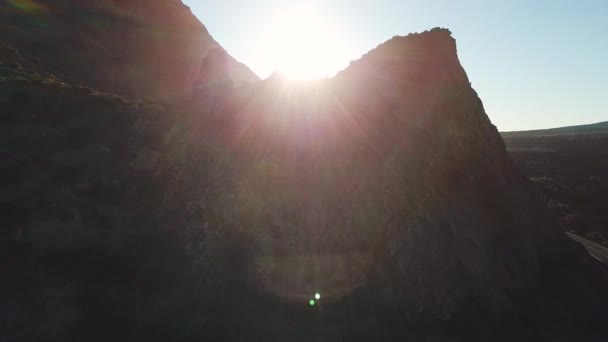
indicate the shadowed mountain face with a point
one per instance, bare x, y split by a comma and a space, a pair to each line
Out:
389, 177
132, 48
385, 189
394, 162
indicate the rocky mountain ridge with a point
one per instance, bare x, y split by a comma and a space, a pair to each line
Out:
386, 189
446, 215
131, 48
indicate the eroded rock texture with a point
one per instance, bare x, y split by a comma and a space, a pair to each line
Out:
385, 189
132, 48
389, 180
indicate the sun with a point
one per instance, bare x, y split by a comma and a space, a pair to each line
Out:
302, 44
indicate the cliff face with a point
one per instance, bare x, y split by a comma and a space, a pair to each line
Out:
389, 182
132, 48
385, 189
463, 221
461, 225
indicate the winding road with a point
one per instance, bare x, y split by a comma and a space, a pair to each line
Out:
596, 251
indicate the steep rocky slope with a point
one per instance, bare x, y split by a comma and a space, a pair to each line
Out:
96, 210
390, 181
132, 48
386, 189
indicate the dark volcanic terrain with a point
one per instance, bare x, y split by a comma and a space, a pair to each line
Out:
570, 164
218, 215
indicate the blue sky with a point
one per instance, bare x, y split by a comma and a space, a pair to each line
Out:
535, 64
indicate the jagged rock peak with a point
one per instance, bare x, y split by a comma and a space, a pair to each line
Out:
436, 46
436, 35
415, 181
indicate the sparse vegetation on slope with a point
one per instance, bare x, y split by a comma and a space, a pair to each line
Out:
132, 48
91, 246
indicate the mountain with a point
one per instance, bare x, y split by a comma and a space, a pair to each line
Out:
132, 48
385, 189
393, 171
579, 129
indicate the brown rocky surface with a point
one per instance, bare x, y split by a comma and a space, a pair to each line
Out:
133, 48
395, 165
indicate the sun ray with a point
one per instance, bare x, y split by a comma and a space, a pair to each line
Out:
302, 44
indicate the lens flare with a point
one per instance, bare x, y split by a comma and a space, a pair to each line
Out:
301, 43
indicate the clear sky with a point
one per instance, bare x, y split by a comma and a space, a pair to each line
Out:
535, 64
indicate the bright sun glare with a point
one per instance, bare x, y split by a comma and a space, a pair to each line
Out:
302, 44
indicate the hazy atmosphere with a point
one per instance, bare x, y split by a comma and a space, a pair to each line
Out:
535, 64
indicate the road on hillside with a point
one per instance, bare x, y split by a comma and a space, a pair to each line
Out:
596, 251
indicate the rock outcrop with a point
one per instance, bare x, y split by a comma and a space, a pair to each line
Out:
390, 183
131, 48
